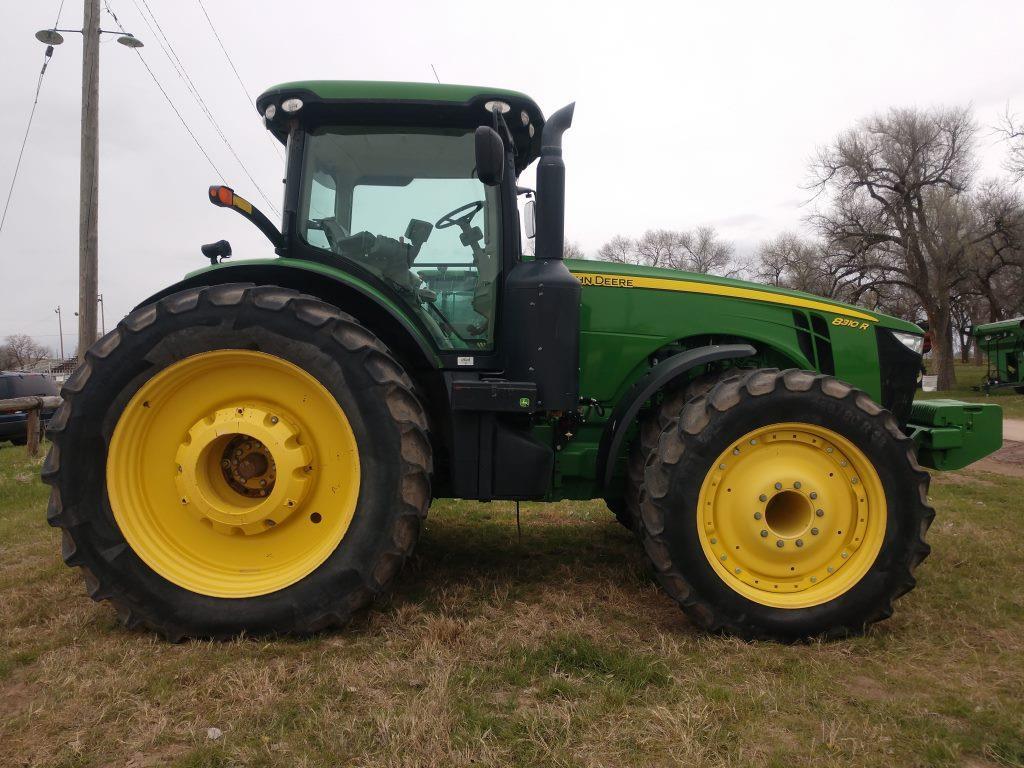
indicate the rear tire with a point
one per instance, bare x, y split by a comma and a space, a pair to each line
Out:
334, 356
738, 562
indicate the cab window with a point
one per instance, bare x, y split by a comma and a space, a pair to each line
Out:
406, 205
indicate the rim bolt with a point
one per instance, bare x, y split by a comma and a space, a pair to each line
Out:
737, 570
854, 481
263, 483
819, 512
814, 531
814, 494
724, 558
780, 544
762, 497
754, 441
714, 541
764, 534
813, 579
829, 449
735, 451
721, 466
842, 463
757, 515
797, 485
799, 542
831, 569
846, 554
778, 486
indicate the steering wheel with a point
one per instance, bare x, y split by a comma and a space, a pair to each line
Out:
453, 218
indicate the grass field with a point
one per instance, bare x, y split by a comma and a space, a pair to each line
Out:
968, 376
556, 650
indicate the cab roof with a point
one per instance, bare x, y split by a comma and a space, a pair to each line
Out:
371, 102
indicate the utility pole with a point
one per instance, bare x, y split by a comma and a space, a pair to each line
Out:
88, 216
60, 332
88, 213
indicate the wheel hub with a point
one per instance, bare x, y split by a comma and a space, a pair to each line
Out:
242, 470
791, 515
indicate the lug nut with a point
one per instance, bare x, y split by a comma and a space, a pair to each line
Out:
799, 542
762, 497
780, 544
757, 515
814, 494
764, 534
814, 531
778, 486
797, 485
819, 512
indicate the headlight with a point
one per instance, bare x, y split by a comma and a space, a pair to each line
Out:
911, 341
291, 105
271, 111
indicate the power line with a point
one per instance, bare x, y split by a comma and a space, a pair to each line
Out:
31, 115
166, 96
238, 77
182, 72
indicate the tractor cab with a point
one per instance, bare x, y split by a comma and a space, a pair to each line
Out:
385, 181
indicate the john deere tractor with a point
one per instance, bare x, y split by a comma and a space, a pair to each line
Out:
254, 449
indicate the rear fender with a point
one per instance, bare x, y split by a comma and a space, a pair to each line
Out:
368, 305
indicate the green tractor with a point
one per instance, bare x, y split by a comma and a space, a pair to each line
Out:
254, 449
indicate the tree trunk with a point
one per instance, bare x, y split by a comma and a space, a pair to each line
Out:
942, 347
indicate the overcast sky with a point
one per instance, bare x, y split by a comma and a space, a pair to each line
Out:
687, 113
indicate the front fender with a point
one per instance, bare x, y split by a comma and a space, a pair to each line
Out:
655, 380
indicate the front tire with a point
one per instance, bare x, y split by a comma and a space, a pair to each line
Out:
237, 459
784, 505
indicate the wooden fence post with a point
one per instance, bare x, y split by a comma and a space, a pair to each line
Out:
32, 444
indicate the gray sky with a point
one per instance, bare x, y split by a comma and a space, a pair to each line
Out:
687, 113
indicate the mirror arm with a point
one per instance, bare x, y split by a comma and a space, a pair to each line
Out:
225, 197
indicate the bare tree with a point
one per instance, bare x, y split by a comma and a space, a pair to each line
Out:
895, 185
1013, 134
573, 250
21, 352
698, 250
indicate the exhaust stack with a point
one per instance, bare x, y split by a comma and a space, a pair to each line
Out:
551, 186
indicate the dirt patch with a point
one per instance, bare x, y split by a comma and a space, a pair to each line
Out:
1008, 461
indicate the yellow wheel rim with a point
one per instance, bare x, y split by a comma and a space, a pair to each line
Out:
233, 473
791, 515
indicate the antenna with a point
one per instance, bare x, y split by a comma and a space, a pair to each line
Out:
435, 74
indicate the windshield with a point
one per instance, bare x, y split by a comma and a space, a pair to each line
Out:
405, 204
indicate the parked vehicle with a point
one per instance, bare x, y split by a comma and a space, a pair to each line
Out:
14, 426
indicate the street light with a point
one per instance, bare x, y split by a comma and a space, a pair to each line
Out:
88, 216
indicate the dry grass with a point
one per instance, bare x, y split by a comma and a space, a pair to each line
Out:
557, 650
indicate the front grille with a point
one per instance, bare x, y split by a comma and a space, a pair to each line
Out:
899, 367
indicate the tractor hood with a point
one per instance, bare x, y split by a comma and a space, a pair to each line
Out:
602, 273
368, 102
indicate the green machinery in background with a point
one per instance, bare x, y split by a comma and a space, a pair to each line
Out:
1003, 345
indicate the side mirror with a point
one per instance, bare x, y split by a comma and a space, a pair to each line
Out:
490, 156
530, 218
